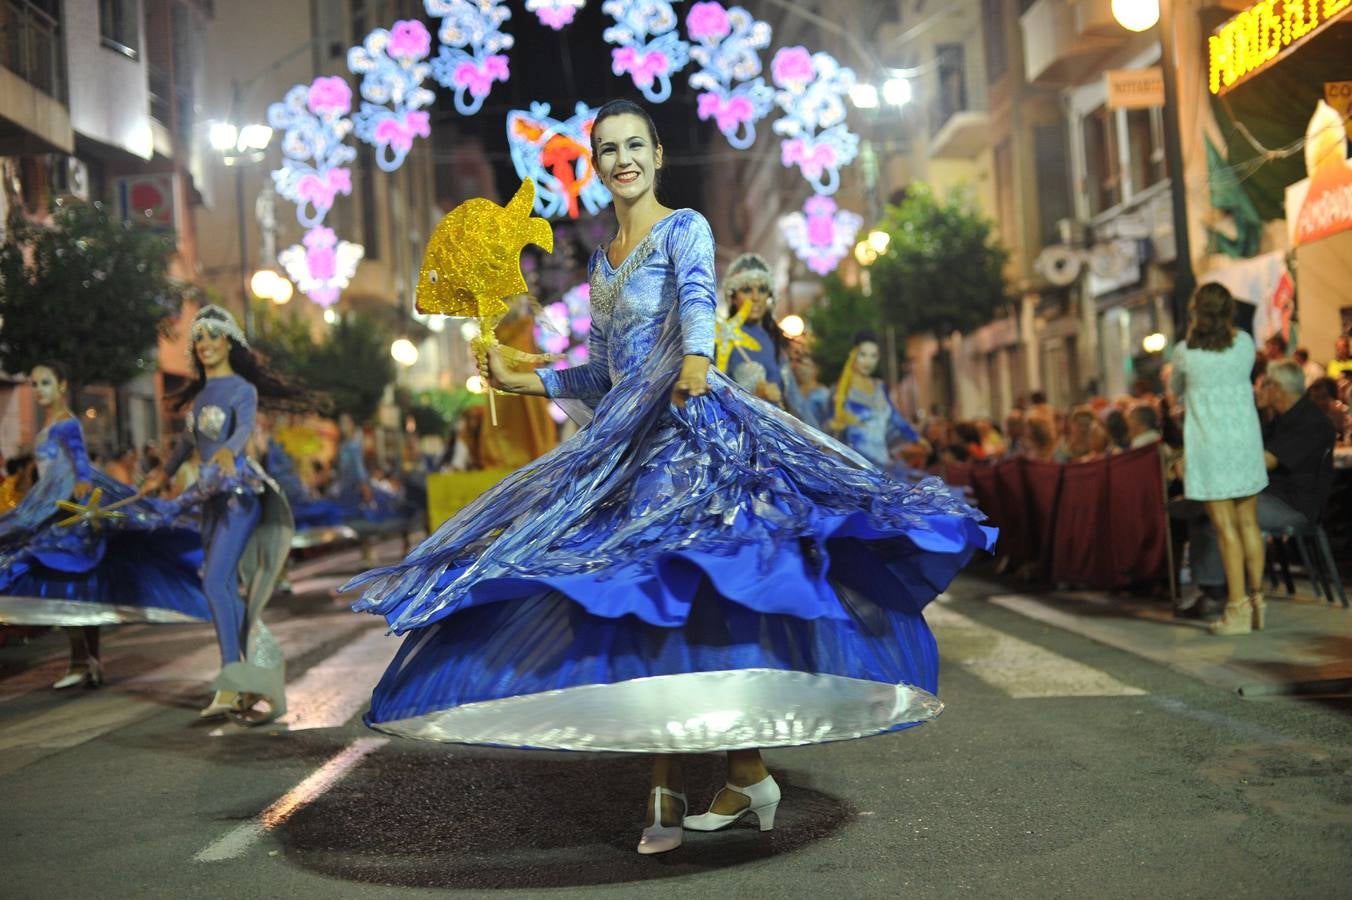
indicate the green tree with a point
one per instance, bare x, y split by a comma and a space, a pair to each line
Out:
352, 365
88, 291
944, 268
841, 314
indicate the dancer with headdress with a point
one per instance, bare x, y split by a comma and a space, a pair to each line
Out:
246, 524
695, 570
751, 347
59, 569
863, 415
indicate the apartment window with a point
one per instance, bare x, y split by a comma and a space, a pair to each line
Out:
950, 64
1102, 162
366, 188
1145, 148
1051, 158
120, 26
997, 59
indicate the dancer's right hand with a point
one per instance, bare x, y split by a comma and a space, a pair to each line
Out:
492, 368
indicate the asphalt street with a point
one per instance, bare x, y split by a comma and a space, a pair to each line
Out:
1061, 767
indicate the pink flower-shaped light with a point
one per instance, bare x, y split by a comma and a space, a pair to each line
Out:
479, 79
409, 40
792, 68
556, 17
330, 94
708, 22
819, 205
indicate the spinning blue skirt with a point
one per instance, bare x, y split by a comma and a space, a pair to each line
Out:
674, 578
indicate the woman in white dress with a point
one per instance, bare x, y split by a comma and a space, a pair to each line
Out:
1223, 443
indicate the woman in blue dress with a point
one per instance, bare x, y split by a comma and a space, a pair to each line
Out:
82, 575
246, 524
694, 570
864, 417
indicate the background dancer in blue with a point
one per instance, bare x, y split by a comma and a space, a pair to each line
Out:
765, 370
246, 524
83, 575
695, 570
864, 416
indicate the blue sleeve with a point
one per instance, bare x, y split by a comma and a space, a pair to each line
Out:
898, 429
73, 440
690, 246
245, 406
589, 382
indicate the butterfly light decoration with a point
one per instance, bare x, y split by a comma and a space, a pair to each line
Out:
726, 45
555, 14
324, 266
314, 121
472, 56
565, 325
648, 47
812, 90
822, 233
393, 67
556, 155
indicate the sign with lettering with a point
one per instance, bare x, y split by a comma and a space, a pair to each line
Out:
1135, 88
1338, 94
1264, 33
1321, 205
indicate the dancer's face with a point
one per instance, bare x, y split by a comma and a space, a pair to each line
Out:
866, 358
626, 157
211, 350
758, 295
47, 386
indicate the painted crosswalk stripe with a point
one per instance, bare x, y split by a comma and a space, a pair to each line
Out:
239, 839
1018, 668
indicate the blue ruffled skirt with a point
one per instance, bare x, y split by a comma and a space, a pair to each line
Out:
135, 570
675, 580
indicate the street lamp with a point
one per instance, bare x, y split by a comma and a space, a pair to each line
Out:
1136, 15
239, 145
267, 284
404, 352
897, 91
792, 326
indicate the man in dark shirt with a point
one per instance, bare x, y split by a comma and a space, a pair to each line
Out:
1298, 450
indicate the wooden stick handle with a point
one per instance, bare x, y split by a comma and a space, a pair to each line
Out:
492, 406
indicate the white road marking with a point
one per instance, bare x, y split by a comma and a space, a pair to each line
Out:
1019, 668
238, 840
89, 714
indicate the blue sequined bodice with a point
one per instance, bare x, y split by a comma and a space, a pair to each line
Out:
671, 268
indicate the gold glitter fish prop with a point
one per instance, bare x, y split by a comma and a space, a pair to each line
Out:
729, 336
92, 512
472, 265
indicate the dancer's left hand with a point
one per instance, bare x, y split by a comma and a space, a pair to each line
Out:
225, 460
693, 380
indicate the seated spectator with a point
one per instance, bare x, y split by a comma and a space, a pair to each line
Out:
1342, 357
1298, 452
1016, 428
1313, 370
1041, 443
992, 441
1079, 435
1116, 424
1274, 348
125, 466
1143, 426
1324, 394
969, 440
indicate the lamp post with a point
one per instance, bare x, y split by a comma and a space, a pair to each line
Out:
240, 144
1136, 15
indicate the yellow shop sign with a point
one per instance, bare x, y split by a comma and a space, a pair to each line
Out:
1264, 33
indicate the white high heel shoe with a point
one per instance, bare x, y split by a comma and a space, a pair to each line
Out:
659, 838
764, 796
90, 676
223, 703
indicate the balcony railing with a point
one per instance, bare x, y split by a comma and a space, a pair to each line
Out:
31, 47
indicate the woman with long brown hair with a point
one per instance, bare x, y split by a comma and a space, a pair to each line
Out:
1223, 444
